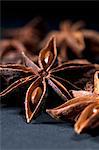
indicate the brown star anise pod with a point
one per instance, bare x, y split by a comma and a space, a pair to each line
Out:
29, 34
83, 109
68, 36
10, 52
74, 41
37, 77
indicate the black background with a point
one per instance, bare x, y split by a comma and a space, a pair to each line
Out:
51, 11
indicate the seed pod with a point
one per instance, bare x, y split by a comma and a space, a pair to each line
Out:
36, 95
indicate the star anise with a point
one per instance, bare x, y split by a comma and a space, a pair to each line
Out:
37, 77
74, 41
10, 52
83, 109
29, 34
68, 36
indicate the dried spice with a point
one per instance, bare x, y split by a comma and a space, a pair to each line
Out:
30, 34
74, 41
69, 35
10, 52
83, 109
39, 76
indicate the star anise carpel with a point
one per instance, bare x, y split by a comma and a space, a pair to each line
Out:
83, 109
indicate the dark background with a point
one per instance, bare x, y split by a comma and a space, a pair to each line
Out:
52, 12
44, 132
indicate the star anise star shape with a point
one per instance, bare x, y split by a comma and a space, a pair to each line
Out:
68, 36
75, 41
83, 109
37, 77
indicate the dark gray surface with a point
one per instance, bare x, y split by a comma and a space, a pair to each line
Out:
43, 133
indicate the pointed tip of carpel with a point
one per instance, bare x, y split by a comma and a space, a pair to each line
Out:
77, 130
28, 120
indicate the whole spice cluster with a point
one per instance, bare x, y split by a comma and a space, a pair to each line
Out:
64, 62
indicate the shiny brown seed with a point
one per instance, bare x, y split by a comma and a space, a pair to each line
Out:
36, 94
48, 57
